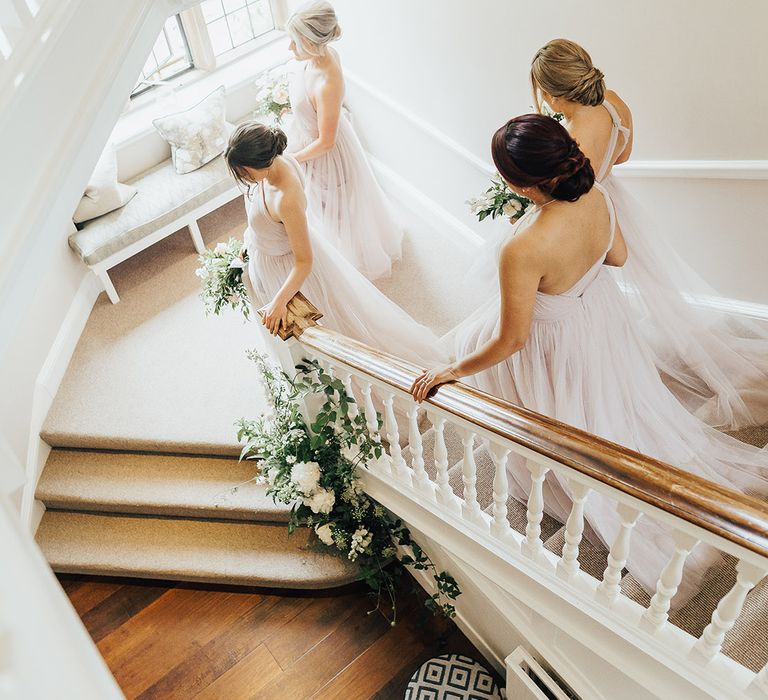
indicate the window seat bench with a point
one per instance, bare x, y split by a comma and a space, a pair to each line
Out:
164, 203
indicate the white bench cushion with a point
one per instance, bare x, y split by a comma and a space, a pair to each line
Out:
163, 197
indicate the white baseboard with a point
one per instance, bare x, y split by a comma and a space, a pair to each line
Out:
681, 169
46, 386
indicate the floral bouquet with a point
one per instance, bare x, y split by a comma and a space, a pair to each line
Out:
272, 98
221, 271
314, 468
499, 200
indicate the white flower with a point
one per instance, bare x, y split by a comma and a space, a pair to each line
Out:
306, 476
290, 459
325, 533
220, 248
280, 96
361, 540
512, 208
202, 273
321, 501
236, 263
264, 94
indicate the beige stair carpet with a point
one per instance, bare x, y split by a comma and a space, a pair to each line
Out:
153, 372
252, 554
156, 484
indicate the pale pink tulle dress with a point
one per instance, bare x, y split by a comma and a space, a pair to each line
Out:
587, 364
342, 191
715, 364
349, 303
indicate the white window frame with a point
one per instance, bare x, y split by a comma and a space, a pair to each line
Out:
198, 40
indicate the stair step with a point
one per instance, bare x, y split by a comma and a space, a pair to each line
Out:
205, 551
155, 484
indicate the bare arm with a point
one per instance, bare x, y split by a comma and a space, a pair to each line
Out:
520, 273
291, 210
328, 106
617, 255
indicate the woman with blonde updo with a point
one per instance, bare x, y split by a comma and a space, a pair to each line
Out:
286, 256
717, 367
341, 188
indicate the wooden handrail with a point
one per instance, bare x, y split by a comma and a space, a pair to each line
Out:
727, 513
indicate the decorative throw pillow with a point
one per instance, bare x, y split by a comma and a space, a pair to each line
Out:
196, 135
103, 193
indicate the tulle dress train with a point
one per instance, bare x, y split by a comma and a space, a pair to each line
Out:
342, 191
349, 303
715, 364
587, 364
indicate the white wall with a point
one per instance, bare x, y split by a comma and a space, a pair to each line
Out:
52, 129
693, 79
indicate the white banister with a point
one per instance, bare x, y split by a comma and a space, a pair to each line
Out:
470, 508
372, 423
609, 588
655, 616
577, 603
759, 686
568, 564
728, 609
399, 467
532, 545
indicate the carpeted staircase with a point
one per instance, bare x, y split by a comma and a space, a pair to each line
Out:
143, 481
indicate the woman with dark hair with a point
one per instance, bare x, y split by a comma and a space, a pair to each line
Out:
285, 256
558, 339
717, 365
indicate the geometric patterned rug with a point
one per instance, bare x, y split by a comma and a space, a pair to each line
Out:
452, 677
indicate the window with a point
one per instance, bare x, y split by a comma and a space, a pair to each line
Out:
204, 37
169, 57
232, 23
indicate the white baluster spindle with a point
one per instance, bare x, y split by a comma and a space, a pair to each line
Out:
420, 477
353, 409
399, 467
445, 494
728, 609
609, 589
655, 617
470, 508
372, 422
568, 564
532, 545
500, 525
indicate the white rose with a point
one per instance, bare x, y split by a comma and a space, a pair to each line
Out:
202, 273
280, 96
236, 263
220, 248
306, 476
321, 501
324, 532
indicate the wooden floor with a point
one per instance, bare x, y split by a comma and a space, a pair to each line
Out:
165, 640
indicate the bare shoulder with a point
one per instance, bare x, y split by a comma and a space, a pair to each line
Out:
291, 199
621, 107
528, 246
